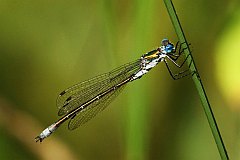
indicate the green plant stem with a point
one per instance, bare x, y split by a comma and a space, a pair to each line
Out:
197, 80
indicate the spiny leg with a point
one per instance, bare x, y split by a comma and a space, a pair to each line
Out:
176, 47
180, 74
175, 76
174, 58
180, 51
179, 65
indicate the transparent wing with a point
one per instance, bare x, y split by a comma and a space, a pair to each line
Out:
80, 93
93, 109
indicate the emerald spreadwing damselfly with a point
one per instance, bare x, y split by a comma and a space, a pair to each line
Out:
83, 101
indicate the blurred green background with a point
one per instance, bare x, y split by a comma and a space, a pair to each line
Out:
47, 46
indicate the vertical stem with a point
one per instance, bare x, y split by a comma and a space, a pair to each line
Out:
197, 80
137, 128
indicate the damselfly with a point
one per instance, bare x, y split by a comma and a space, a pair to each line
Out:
85, 100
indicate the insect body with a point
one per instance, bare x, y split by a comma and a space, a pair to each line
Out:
85, 100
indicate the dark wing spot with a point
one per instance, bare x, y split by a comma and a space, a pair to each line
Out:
62, 93
69, 98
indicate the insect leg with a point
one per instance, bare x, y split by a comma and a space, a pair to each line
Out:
180, 74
